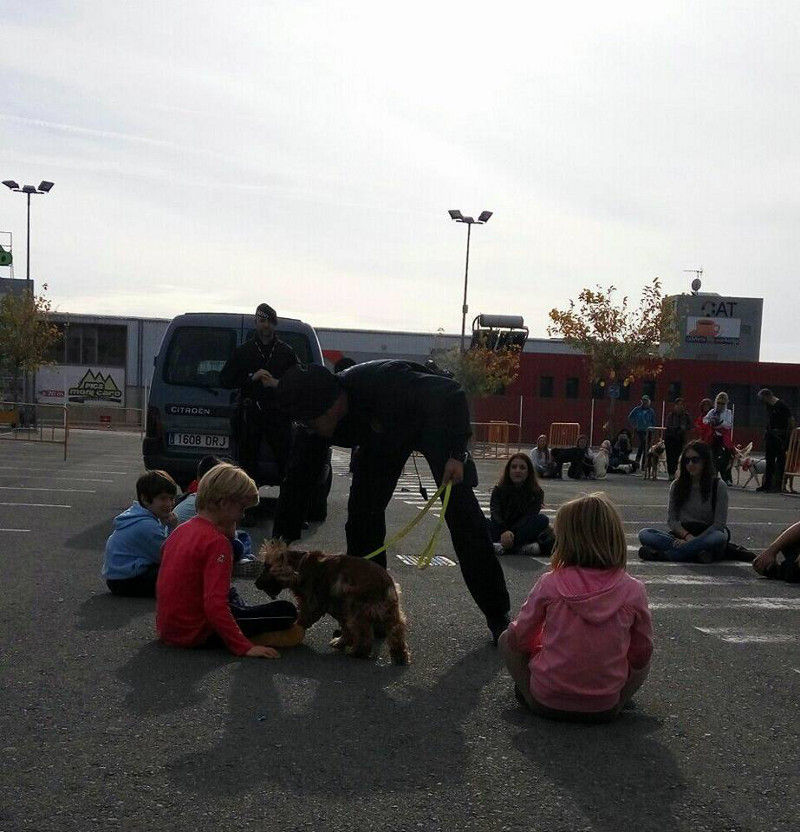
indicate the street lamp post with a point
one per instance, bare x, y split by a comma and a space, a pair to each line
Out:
482, 220
44, 188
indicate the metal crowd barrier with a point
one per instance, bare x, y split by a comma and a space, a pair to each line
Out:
28, 422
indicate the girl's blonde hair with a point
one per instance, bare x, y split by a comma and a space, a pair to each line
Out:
225, 482
721, 397
589, 532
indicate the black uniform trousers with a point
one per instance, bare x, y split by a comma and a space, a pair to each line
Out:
375, 475
775, 446
673, 445
377, 466
256, 424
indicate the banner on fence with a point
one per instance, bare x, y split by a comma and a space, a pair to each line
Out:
81, 384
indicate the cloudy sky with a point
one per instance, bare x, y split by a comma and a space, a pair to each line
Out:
208, 156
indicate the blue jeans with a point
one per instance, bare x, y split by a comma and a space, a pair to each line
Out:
713, 541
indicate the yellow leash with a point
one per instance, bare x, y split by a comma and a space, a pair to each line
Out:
426, 555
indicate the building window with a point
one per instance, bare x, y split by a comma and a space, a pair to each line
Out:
674, 392
91, 344
546, 387
111, 342
572, 388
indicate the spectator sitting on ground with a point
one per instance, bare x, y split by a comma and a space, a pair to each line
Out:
720, 420
195, 602
620, 460
580, 647
243, 557
581, 460
542, 459
697, 516
186, 508
601, 459
133, 550
516, 509
781, 559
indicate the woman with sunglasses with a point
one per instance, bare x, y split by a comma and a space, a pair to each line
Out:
697, 516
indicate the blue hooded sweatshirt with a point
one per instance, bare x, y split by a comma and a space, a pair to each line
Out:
135, 543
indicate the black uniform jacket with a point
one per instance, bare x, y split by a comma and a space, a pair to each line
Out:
400, 404
276, 357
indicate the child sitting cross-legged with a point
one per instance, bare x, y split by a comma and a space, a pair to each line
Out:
133, 550
196, 606
580, 646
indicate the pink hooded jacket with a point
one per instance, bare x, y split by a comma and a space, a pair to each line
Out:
584, 630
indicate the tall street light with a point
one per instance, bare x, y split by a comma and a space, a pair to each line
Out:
44, 188
482, 220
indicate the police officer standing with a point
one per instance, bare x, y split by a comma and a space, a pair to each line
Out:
260, 358
389, 409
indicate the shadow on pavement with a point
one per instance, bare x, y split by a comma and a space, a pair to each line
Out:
619, 776
163, 679
339, 726
92, 538
110, 612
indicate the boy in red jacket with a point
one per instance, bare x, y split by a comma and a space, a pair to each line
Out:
195, 603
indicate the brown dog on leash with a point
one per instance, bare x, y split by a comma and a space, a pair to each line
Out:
654, 454
359, 594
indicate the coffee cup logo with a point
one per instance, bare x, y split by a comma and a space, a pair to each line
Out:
706, 328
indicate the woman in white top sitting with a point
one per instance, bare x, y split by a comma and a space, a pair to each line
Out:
542, 459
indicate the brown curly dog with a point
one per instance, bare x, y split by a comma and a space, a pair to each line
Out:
359, 594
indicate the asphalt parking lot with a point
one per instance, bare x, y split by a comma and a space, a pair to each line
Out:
103, 728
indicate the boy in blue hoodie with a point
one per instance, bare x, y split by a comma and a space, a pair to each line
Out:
133, 551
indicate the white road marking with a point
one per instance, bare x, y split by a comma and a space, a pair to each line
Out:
63, 490
732, 604
75, 468
700, 580
14, 530
50, 477
37, 505
736, 635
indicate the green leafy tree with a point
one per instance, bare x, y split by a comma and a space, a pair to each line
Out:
622, 342
26, 335
482, 371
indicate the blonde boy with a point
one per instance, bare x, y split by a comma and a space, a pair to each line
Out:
195, 603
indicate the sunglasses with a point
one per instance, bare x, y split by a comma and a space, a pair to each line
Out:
691, 460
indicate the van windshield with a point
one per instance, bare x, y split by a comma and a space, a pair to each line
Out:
197, 354
298, 341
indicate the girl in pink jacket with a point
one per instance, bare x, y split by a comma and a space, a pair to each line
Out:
581, 645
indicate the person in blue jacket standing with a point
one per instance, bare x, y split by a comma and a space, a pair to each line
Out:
641, 418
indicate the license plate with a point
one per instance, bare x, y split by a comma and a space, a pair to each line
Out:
205, 441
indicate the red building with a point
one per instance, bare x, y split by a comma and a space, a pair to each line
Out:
555, 387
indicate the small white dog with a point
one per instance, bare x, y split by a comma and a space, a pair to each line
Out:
742, 461
601, 458
756, 468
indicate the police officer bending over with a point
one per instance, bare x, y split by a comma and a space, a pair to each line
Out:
389, 409
259, 359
